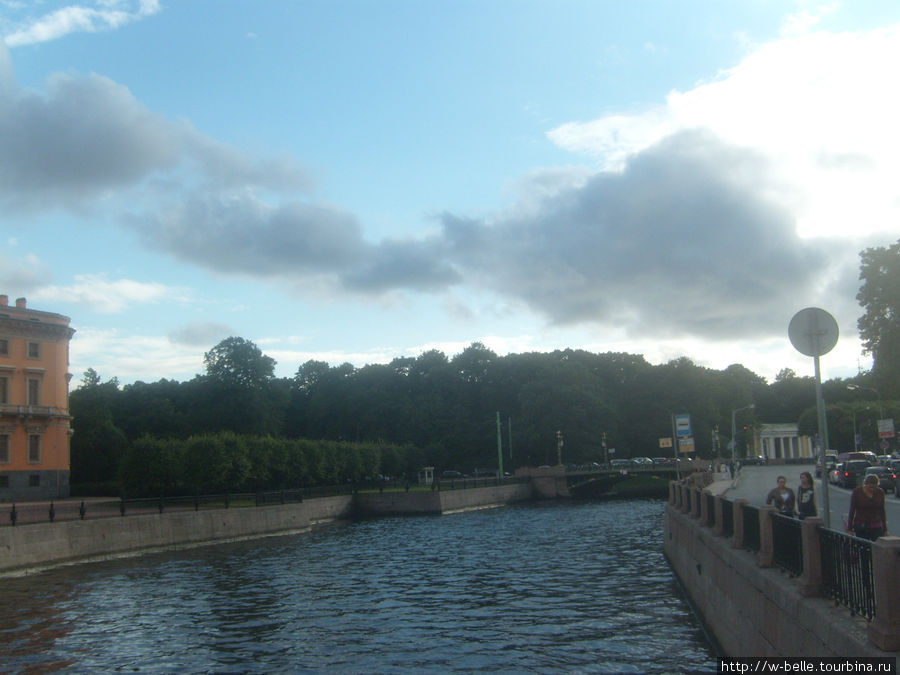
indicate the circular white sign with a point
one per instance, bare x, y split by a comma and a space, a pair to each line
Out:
813, 331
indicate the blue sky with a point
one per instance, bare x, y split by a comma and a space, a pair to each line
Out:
357, 181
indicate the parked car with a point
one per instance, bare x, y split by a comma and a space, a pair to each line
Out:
852, 472
451, 475
642, 461
621, 464
830, 462
665, 461
835, 473
887, 477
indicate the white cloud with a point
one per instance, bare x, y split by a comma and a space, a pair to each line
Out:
109, 297
80, 19
801, 22
131, 357
820, 105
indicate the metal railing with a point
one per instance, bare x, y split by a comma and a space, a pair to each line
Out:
846, 561
727, 518
787, 544
21, 514
847, 572
751, 527
710, 509
72, 509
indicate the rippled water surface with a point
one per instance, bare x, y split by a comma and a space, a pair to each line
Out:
574, 587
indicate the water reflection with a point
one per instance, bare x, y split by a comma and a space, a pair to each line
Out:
544, 588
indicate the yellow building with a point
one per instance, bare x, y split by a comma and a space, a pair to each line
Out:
34, 403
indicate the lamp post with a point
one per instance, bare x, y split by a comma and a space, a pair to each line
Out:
559, 444
855, 436
856, 387
734, 428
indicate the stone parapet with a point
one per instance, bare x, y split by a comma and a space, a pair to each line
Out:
754, 610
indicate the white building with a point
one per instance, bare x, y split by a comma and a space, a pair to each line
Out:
781, 441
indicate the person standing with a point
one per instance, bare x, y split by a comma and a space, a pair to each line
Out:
867, 518
806, 497
783, 497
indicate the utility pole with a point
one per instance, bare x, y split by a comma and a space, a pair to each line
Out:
499, 449
559, 444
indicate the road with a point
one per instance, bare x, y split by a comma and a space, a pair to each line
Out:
754, 482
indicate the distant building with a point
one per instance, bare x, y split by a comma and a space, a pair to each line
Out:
34, 403
781, 441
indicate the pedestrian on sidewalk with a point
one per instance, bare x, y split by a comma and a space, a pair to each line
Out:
782, 497
867, 518
806, 497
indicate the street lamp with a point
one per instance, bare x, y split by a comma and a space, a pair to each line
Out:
734, 430
855, 435
856, 387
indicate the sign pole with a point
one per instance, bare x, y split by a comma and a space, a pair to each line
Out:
814, 332
823, 441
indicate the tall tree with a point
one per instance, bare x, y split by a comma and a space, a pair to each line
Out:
879, 327
236, 361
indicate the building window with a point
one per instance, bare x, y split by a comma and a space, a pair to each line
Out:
34, 480
4, 449
34, 350
4, 390
34, 449
34, 391
4, 481
4, 347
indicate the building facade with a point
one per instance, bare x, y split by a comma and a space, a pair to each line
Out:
34, 403
781, 441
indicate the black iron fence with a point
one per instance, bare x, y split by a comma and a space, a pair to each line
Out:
846, 561
727, 518
710, 508
847, 572
751, 527
787, 544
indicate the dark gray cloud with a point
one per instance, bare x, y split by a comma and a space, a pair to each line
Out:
689, 238
685, 240
86, 136
237, 233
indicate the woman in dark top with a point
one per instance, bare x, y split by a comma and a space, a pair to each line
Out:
806, 497
867, 518
783, 497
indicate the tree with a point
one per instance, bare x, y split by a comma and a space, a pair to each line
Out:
879, 327
239, 362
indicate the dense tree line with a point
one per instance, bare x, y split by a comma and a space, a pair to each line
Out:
442, 411
212, 432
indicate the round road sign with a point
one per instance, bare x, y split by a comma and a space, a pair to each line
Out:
813, 331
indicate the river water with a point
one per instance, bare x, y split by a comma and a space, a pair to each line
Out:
549, 587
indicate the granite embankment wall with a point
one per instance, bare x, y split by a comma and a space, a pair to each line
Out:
41, 544
754, 609
441, 501
32, 546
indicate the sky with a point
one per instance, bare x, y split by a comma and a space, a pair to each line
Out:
355, 181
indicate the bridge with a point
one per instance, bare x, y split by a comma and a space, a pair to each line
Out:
599, 482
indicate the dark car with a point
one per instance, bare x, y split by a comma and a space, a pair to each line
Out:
852, 472
887, 477
451, 475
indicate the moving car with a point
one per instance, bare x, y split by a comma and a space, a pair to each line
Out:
852, 472
887, 477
